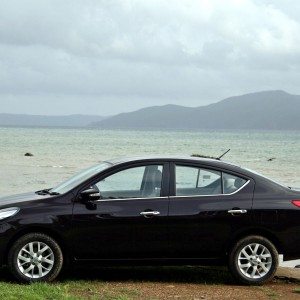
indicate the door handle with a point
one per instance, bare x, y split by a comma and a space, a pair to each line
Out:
149, 213
237, 211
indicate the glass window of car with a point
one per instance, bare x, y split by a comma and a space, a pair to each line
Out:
232, 183
136, 182
197, 181
79, 178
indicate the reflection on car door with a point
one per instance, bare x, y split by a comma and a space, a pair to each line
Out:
130, 219
206, 209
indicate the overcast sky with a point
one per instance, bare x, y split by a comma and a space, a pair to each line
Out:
105, 57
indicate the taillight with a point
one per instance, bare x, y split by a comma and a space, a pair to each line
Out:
296, 202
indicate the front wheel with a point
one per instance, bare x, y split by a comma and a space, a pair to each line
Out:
35, 257
253, 260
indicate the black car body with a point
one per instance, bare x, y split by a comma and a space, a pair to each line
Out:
167, 221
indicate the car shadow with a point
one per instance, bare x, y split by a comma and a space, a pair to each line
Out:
187, 274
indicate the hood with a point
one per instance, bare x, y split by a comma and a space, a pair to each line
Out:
14, 199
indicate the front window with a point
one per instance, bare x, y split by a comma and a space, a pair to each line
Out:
74, 181
136, 182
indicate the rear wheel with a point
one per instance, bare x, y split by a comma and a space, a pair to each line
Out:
35, 257
253, 260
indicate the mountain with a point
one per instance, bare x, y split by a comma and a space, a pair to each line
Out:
47, 121
269, 110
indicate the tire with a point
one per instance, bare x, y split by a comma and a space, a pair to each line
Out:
35, 257
253, 260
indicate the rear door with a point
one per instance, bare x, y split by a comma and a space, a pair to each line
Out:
129, 222
207, 207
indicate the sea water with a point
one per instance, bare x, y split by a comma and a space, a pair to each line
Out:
59, 153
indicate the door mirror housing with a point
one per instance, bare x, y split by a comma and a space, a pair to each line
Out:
90, 195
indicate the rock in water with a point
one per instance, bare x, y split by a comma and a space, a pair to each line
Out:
28, 154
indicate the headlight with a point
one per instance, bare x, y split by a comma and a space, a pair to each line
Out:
8, 212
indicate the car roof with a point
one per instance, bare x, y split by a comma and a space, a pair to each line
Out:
206, 161
120, 160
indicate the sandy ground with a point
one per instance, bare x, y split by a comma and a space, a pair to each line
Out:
184, 283
200, 291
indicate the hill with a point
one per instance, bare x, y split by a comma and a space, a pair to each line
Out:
268, 110
47, 121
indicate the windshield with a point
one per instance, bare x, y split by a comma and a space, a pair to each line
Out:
74, 181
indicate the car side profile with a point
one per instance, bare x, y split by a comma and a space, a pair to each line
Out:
153, 210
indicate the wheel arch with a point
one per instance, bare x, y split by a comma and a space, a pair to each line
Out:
258, 232
38, 229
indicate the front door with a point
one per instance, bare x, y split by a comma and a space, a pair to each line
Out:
208, 206
129, 221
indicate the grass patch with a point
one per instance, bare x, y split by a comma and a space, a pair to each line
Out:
108, 283
297, 291
70, 290
37, 291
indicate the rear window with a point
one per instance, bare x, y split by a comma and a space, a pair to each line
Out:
232, 183
201, 181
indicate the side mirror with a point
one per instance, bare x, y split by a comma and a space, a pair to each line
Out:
90, 195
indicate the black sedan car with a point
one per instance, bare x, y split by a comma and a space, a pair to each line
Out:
146, 211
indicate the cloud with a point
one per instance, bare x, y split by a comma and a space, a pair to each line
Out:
122, 55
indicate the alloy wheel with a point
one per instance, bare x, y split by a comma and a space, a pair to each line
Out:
255, 261
35, 259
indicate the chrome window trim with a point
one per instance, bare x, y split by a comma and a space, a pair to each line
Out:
122, 199
165, 197
214, 195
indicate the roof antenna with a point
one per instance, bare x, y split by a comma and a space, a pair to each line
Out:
219, 158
